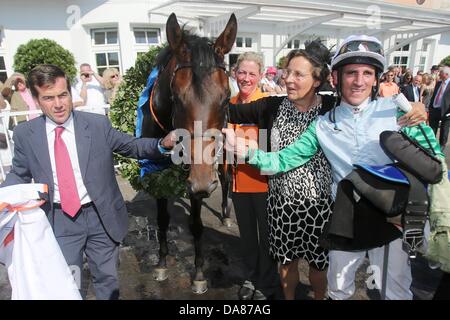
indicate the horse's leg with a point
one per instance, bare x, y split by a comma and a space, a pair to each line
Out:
199, 284
160, 273
225, 181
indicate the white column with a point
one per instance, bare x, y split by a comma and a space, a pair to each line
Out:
126, 42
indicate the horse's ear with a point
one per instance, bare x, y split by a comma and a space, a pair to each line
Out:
225, 41
173, 32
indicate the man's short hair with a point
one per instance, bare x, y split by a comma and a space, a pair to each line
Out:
44, 75
85, 65
434, 67
446, 70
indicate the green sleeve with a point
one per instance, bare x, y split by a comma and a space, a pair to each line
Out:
293, 156
416, 134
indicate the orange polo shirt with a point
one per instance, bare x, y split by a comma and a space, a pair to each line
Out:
245, 177
388, 89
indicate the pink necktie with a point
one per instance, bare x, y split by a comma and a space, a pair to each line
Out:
437, 100
68, 192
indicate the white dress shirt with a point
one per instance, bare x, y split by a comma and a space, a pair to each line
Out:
68, 135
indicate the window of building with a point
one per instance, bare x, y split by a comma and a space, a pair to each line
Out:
422, 61
146, 36
3, 74
104, 37
105, 60
425, 46
293, 44
401, 61
244, 42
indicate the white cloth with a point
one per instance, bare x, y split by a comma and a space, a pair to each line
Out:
95, 96
36, 266
344, 264
68, 136
416, 93
75, 95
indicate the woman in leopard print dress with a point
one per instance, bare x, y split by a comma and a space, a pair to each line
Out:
299, 201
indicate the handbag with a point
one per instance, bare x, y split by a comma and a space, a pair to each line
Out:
421, 162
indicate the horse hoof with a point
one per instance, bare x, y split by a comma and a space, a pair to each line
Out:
199, 287
227, 222
160, 274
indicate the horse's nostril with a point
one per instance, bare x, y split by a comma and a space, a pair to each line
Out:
198, 192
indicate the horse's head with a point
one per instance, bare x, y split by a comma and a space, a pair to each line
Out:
200, 93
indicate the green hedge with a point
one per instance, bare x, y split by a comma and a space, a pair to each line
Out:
44, 51
168, 183
446, 61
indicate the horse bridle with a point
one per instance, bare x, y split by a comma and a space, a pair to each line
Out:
184, 65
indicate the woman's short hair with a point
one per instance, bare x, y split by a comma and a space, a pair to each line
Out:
318, 55
251, 56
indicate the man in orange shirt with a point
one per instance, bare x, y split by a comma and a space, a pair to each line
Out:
389, 87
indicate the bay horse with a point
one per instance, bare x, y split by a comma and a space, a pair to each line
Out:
192, 86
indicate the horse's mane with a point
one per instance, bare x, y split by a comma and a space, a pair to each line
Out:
203, 57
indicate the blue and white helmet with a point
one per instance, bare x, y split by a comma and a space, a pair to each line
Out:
360, 49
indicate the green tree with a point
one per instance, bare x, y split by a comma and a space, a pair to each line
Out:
164, 184
446, 61
44, 51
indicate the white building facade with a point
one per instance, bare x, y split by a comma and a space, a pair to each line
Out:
112, 33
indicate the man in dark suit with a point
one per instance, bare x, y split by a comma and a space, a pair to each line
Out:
72, 152
412, 91
440, 106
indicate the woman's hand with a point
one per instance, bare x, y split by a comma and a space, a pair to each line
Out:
238, 145
414, 117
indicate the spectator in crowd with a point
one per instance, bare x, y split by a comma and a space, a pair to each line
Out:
412, 91
281, 89
111, 82
16, 92
426, 90
268, 83
71, 152
406, 80
299, 201
90, 88
435, 73
234, 88
357, 65
396, 71
2, 100
440, 106
249, 195
389, 87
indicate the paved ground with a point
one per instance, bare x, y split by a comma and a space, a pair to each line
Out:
223, 268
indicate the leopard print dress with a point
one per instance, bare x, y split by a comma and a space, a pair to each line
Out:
299, 201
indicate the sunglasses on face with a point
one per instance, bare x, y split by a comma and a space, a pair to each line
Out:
87, 75
114, 76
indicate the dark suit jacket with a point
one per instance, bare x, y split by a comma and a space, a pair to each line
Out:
96, 141
408, 92
445, 100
